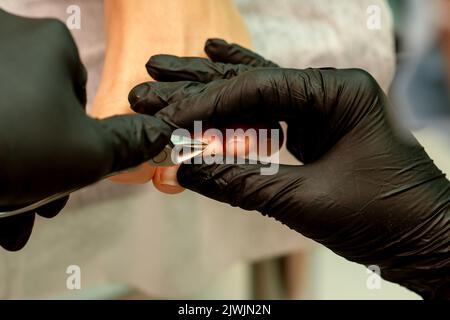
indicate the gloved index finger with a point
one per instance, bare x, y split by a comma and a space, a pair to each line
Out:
163, 67
218, 50
151, 97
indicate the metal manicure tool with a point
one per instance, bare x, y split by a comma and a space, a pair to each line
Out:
178, 150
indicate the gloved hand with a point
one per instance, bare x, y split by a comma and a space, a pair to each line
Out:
47, 142
363, 191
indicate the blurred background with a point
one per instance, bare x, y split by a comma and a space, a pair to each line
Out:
132, 242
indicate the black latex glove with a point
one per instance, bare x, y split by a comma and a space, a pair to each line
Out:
47, 142
364, 192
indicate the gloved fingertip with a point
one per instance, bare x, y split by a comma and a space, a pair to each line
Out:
156, 59
15, 245
53, 208
215, 42
215, 46
16, 231
138, 93
144, 100
158, 63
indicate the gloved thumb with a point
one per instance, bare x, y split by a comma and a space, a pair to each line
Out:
245, 185
134, 139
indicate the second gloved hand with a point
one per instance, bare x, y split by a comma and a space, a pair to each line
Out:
364, 192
